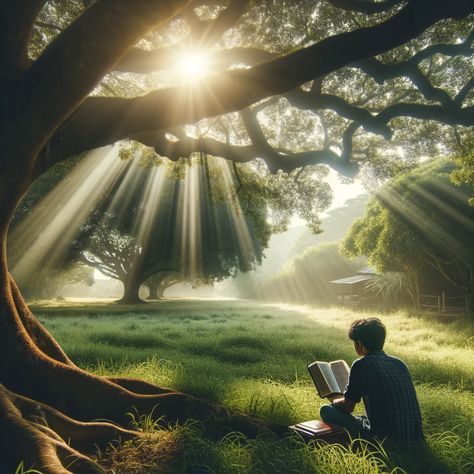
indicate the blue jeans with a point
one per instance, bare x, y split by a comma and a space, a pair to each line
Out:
355, 425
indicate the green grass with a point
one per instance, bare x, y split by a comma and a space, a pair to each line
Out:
253, 358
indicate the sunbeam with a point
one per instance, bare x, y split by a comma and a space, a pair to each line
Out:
235, 210
44, 234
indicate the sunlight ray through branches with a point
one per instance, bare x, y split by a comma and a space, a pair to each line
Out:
45, 233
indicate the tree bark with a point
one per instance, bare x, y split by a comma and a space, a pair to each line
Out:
157, 284
131, 291
152, 290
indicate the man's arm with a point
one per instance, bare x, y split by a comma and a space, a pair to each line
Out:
344, 404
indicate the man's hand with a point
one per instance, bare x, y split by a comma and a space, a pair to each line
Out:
344, 404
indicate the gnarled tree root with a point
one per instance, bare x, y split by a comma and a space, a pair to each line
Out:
35, 444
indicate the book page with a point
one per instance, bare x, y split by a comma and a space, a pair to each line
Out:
318, 379
340, 370
323, 378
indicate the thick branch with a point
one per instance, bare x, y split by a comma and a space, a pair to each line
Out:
174, 150
315, 100
365, 6
449, 116
289, 162
142, 62
16, 23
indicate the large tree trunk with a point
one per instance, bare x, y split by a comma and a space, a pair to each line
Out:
152, 286
131, 291
157, 284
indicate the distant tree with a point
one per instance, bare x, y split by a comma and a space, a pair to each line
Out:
202, 238
307, 277
47, 283
159, 282
463, 175
419, 224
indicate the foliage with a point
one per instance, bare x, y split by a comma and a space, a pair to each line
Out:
463, 175
48, 282
378, 114
421, 225
308, 276
391, 287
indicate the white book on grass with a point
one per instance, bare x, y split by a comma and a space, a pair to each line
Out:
330, 378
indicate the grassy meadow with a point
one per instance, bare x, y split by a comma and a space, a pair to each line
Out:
252, 357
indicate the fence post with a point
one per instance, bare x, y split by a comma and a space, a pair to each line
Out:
444, 302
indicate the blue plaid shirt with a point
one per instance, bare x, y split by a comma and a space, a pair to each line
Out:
385, 385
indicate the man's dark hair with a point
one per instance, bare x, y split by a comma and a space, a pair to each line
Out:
370, 332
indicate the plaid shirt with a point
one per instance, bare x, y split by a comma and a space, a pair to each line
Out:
386, 387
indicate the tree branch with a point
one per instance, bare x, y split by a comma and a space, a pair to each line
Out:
143, 62
315, 100
16, 23
450, 116
289, 162
365, 6
462, 94
382, 72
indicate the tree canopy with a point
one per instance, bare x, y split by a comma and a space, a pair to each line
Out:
379, 86
419, 224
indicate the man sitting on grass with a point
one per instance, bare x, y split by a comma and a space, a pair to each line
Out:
385, 385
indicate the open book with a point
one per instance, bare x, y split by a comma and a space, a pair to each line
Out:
330, 378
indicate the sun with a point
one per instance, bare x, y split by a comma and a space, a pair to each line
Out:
192, 65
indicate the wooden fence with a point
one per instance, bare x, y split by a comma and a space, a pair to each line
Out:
448, 305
